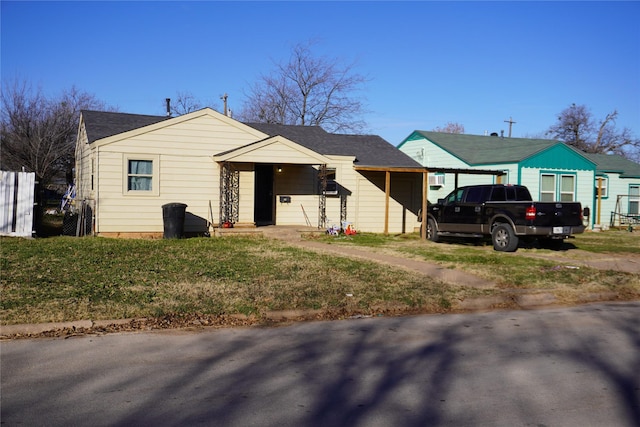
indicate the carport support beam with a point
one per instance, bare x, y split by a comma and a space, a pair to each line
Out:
425, 189
387, 192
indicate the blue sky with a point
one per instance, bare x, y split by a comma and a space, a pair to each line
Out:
428, 63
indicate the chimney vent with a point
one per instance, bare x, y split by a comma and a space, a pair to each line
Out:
168, 107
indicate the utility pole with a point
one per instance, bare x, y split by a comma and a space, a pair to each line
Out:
511, 122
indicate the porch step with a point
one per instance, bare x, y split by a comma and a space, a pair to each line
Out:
240, 231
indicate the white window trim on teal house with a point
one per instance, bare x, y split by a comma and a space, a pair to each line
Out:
563, 192
545, 192
634, 198
155, 177
558, 191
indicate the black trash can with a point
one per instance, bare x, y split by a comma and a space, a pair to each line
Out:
173, 219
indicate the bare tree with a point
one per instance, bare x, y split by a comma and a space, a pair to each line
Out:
450, 127
309, 91
577, 127
187, 102
38, 134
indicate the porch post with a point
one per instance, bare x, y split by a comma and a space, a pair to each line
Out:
322, 202
423, 211
387, 192
229, 194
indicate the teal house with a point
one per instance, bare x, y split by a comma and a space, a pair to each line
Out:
552, 170
618, 182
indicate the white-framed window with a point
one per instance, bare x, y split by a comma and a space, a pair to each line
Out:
567, 188
634, 199
557, 187
605, 186
547, 187
141, 175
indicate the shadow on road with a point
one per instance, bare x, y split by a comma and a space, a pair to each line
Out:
412, 376
412, 371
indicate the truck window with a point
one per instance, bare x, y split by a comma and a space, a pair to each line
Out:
498, 194
455, 196
511, 193
523, 195
475, 194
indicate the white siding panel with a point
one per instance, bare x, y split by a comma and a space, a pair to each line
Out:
286, 154
370, 215
293, 214
193, 181
203, 136
415, 150
434, 156
617, 186
530, 177
83, 156
430, 155
247, 197
584, 188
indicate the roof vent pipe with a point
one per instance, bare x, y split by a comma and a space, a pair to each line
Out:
502, 133
168, 107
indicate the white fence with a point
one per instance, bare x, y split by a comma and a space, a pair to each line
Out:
16, 203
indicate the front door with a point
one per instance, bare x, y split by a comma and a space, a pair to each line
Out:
264, 202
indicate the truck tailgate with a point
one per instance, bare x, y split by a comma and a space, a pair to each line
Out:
550, 214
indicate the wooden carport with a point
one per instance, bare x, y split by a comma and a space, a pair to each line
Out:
425, 185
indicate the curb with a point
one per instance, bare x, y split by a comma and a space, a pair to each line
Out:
524, 301
39, 328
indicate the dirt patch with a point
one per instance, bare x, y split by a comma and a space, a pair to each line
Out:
628, 263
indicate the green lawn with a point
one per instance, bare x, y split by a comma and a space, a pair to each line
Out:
67, 278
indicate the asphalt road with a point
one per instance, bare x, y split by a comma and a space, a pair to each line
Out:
554, 367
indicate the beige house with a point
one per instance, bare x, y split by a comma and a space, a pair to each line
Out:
227, 172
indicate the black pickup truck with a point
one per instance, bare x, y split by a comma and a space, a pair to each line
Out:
507, 213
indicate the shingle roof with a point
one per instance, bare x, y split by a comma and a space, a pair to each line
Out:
369, 150
615, 163
478, 149
102, 124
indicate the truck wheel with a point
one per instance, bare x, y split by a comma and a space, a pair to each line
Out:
432, 231
504, 238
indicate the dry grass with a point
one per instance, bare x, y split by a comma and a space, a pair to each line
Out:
565, 273
65, 278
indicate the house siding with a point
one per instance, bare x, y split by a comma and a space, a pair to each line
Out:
84, 158
186, 152
404, 202
583, 189
557, 159
618, 186
186, 174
